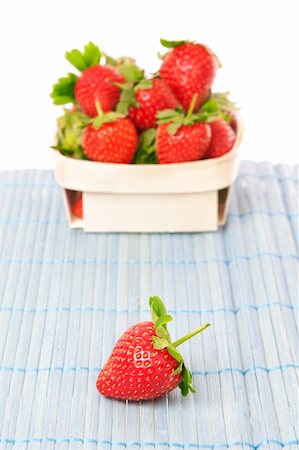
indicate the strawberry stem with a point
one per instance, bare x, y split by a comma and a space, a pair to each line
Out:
191, 107
190, 335
99, 108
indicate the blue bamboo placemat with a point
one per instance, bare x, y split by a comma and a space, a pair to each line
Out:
67, 296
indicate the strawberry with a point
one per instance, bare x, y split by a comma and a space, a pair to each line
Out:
77, 207
110, 138
144, 363
97, 82
222, 140
189, 143
181, 138
189, 69
151, 100
219, 103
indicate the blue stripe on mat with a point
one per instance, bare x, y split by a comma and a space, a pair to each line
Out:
151, 262
73, 440
95, 309
238, 215
243, 372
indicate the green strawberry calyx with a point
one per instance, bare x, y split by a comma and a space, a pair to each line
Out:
176, 117
162, 340
146, 150
102, 117
63, 90
218, 105
129, 88
171, 44
91, 56
70, 127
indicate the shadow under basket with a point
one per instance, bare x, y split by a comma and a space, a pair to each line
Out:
184, 197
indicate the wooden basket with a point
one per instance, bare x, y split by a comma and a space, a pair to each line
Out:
184, 197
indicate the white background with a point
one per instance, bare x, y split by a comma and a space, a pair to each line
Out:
257, 43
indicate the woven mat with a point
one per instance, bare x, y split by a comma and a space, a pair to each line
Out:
67, 296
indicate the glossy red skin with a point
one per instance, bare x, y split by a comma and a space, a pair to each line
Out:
189, 69
150, 101
97, 82
114, 142
223, 139
77, 208
137, 371
189, 143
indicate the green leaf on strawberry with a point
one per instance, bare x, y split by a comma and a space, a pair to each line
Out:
63, 91
218, 105
223, 102
176, 117
174, 127
127, 99
144, 84
210, 106
131, 73
146, 151
69, 132
171, 44
162, 340
91, 56
108, 117
110, 60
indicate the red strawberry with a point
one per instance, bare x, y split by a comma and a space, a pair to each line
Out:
189, 143
77, 208
223, 139
189, 69
180, 137
151, 100
113, 142
144, 364
97, 82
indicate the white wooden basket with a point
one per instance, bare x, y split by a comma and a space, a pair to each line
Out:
184, 197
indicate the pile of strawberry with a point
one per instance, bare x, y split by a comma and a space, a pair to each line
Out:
120, 116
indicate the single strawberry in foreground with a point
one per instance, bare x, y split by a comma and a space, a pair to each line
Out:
97, 82
181, 138
189, 69
144, 363
110, 138
222, 140
157, 97
77, 207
